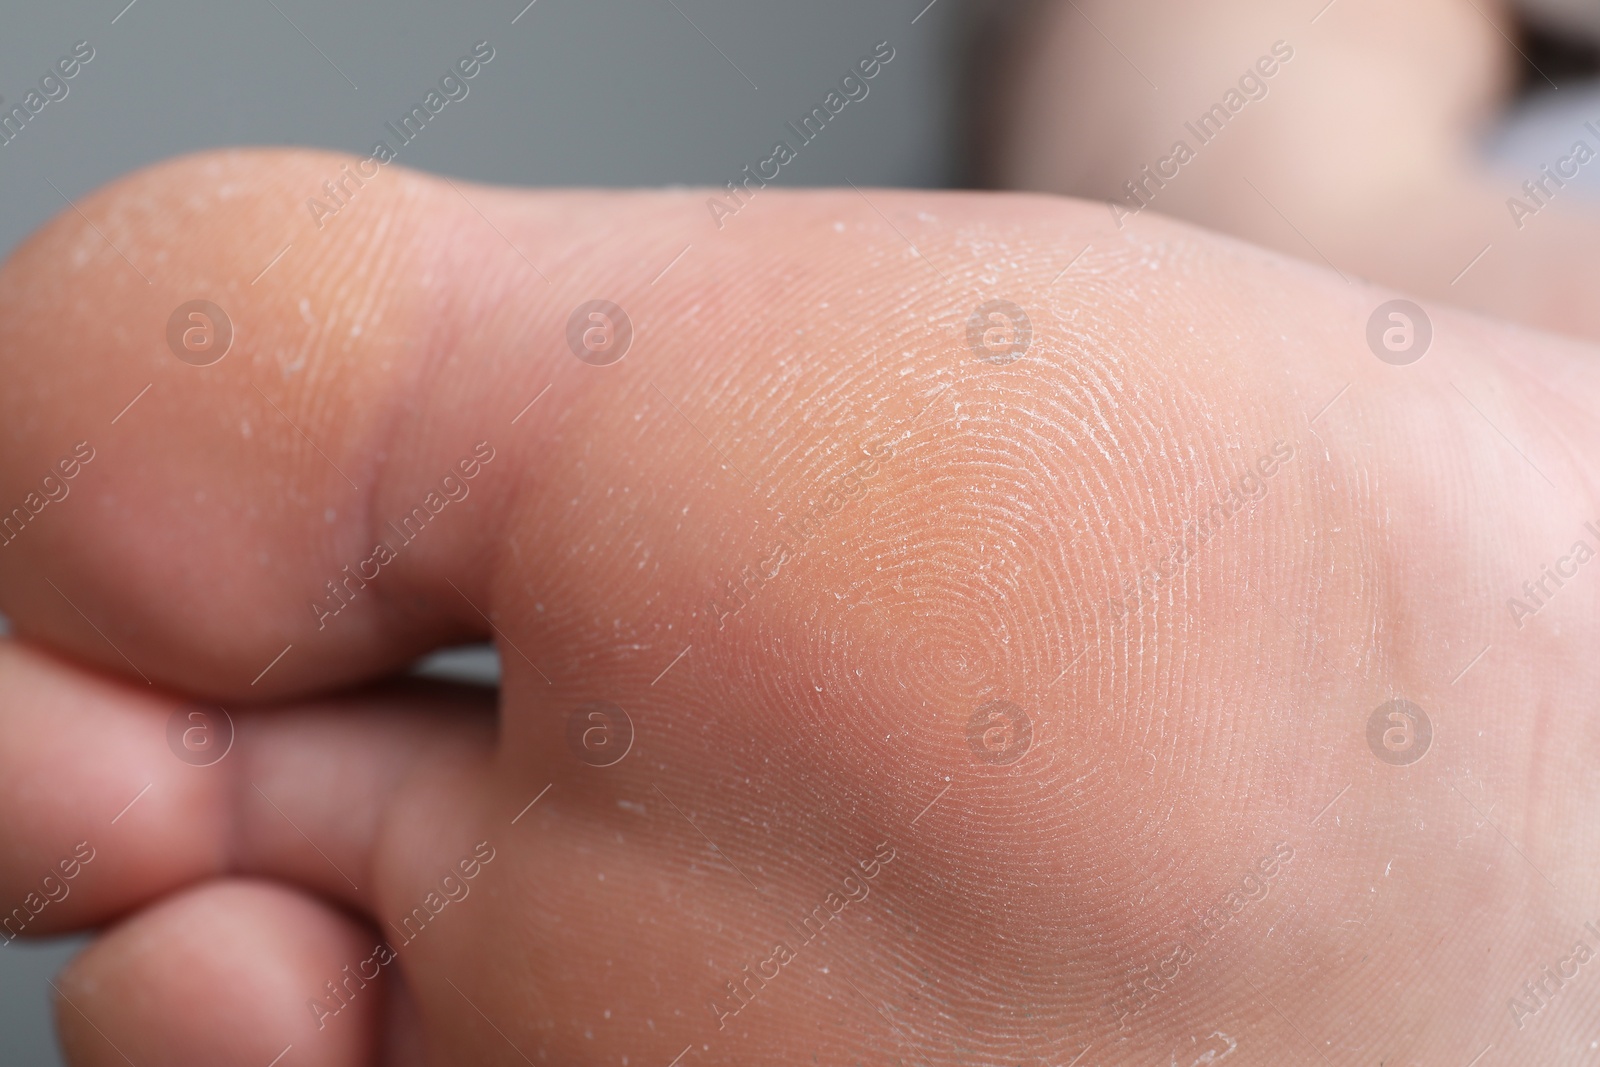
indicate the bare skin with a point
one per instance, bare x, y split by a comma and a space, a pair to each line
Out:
1019, 531
1360, 152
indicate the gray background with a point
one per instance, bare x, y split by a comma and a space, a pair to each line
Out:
580, 92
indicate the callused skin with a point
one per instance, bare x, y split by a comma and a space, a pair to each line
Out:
807, 536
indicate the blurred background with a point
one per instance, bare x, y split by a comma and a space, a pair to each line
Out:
597, 92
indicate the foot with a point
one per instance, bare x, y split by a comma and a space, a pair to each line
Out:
1142, 686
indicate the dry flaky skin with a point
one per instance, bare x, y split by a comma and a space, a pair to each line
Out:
1198, 694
